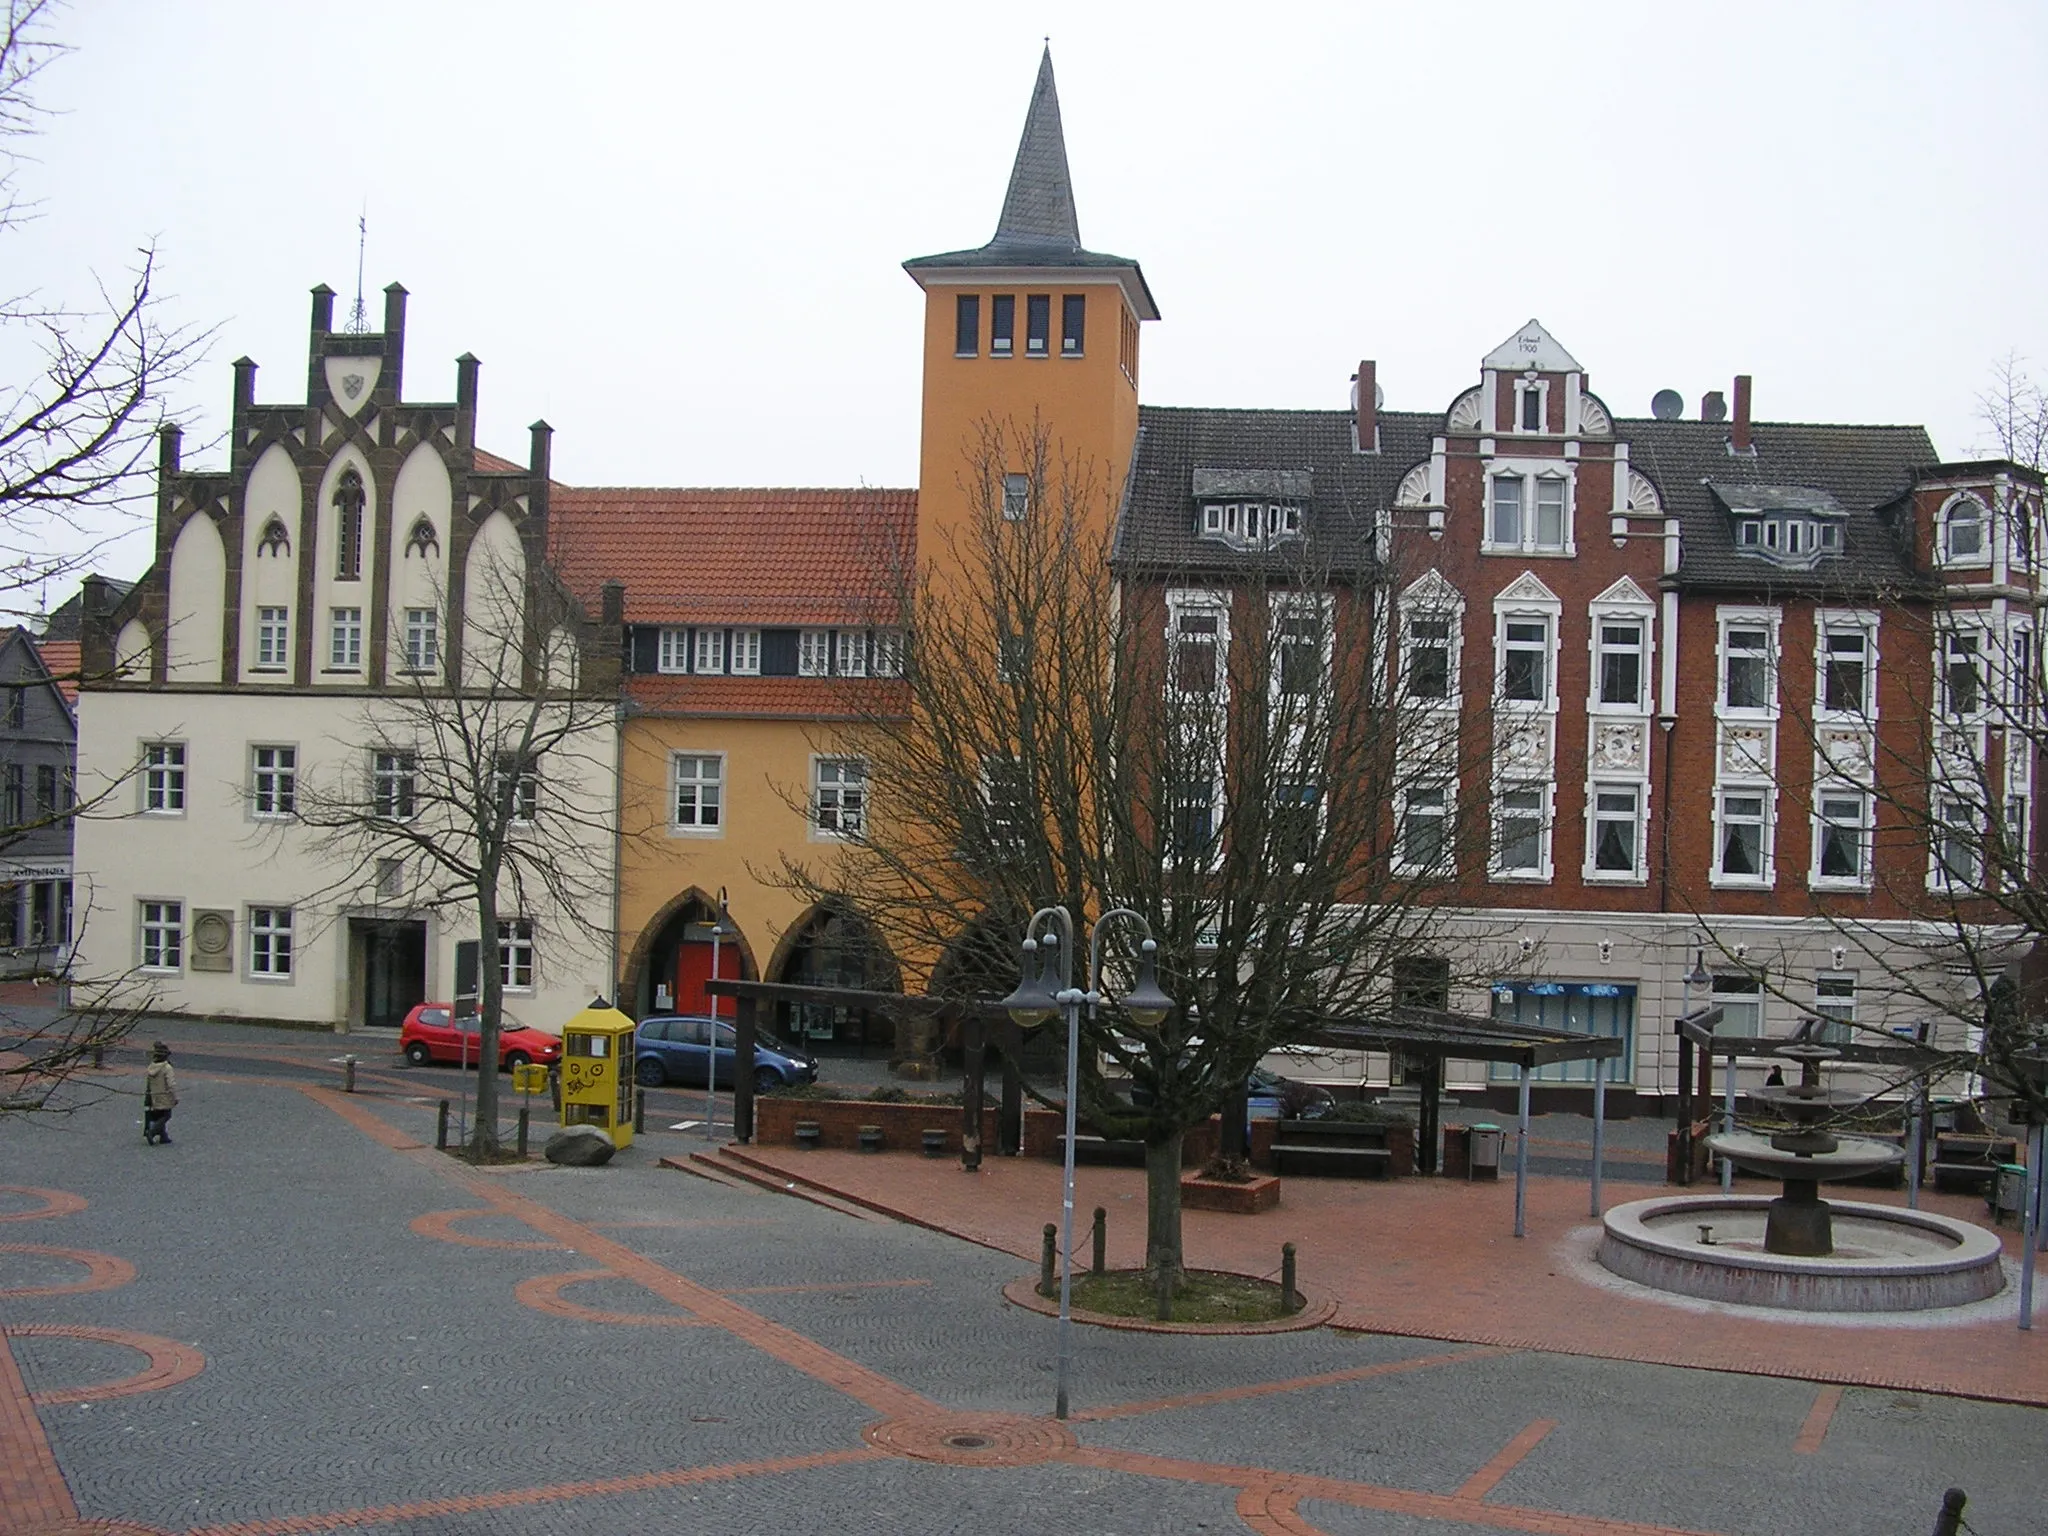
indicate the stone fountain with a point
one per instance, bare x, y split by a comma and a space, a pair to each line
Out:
1799, 1251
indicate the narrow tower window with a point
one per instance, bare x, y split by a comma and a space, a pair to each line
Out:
1073, 317
1037, 323
967, 325
1002, 324
348, 504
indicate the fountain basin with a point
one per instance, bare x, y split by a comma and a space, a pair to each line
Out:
1853, 1157
1886, 1259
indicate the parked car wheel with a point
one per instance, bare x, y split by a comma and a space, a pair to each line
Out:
766, 1079
418, 1054
650, 1073
516, 1059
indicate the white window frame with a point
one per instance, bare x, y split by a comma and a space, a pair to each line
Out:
1976, 640
1016, 492
814, 653
273, 781
1644, 617
160, 935
394, 784
851, 653
743, 658
1540, 388
1597, 816
888, 646
422, 640
526, 791
1317, 608
1765, 822
1453, 620
1530, 473
1175, 852
270, 954
1546, 700
1839, 793
1940, 875
163, 778
1187, 602
1834, 1003
273, 639
829, 778
1727, 621
1829, 623
518, 955
707, 794
708, 652
1545, 811
1749, 992
344, 639
1951, 518
1439, 802
673, 651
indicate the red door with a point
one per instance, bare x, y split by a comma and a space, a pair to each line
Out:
693, 969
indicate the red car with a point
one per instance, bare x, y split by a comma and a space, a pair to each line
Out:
432, 1033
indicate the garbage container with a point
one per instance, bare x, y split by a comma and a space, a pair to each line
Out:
2008, 1193
1486, 1140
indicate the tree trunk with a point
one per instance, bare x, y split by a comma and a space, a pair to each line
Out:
490, 976
1162, 1207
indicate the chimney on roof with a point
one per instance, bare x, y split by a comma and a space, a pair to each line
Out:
466, 367
1713, 407
538, 468
169, 438
1365, 405
612, 601
323, 310
1738, 437
245, 384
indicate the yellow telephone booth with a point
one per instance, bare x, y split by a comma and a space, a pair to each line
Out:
597, 1072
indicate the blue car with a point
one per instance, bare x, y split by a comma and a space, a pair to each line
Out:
671, 1048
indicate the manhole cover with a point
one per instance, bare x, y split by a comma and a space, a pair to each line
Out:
967, 1442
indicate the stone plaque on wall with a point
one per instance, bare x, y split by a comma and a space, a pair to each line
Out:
213, 941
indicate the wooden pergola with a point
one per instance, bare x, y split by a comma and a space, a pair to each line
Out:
1436, 1035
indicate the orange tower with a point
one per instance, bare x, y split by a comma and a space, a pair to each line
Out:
1030, 337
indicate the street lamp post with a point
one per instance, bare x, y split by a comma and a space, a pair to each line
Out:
1035, 1001
2032, 1064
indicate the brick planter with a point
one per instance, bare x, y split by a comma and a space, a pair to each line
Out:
1261, 1192
839, 1122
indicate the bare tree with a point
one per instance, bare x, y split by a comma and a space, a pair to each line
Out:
1222, 751
77, 439
46, 1048
482, 786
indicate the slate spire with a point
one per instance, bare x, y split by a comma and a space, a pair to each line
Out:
1039, 208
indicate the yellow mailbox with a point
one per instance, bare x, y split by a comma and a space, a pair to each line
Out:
597, 1072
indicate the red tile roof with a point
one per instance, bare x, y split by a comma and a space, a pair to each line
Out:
62, 658
774, 557
489, 463
793, 698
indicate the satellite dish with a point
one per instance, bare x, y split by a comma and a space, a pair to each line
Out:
1379, 397
1667, 405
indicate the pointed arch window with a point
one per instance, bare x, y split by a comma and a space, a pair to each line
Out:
348, 505
423, 540
276, 538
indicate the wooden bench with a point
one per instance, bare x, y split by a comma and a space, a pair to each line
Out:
1102, 1149
1968, 1164
1356, 1146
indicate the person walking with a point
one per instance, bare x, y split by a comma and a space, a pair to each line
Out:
159, 1095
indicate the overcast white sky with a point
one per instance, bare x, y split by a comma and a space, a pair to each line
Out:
674, 230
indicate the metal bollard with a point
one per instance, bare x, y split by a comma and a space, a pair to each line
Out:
348, 1074
1288, 1299
1047, 1253
1101, 1237
99, 1057
555, 1087
441, 1129
525, 1115
639, 1111
1950, 1521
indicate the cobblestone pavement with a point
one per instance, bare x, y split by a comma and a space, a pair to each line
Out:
300, 1318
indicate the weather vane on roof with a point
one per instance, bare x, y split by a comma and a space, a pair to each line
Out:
359, 316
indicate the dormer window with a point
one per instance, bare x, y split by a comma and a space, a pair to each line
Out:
1252, 524
1789, 538
1962, 532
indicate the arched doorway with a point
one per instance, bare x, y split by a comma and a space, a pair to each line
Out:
836, 947
682, 950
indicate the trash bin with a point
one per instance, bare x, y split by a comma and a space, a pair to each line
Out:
1486, 1140
2008, 1193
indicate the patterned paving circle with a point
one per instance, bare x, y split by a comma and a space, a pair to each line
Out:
56, 1202
103, 1272
93, 1528
169, 1362
543, 1293
973, 1439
